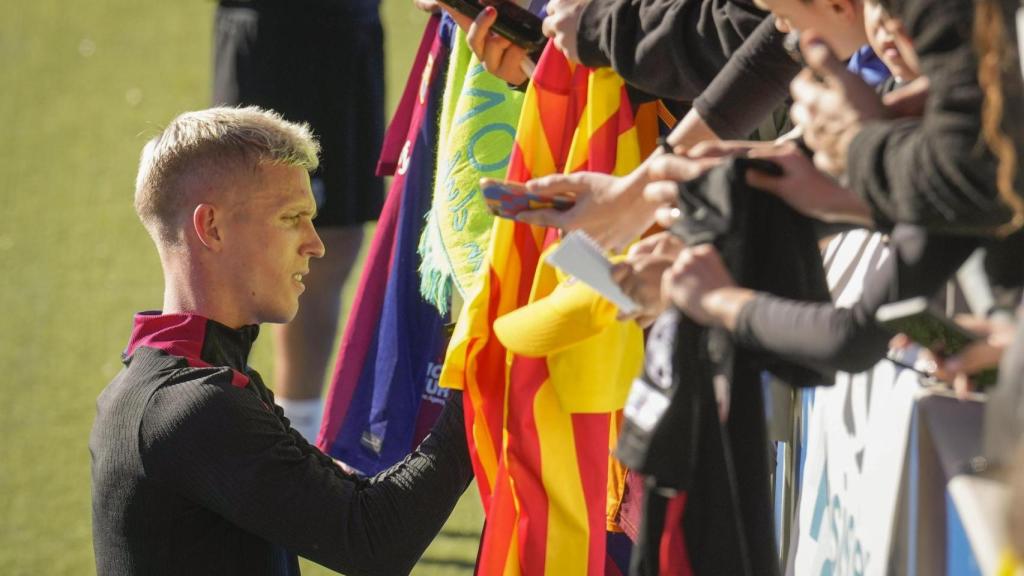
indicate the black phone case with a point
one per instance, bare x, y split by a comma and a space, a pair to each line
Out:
514, 22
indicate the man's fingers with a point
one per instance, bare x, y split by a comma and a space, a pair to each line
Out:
646, 246
668, 245
973, 359
547, 26
667, 216
663, 192
547, 217
909, 99
820, 58
720, 148
672, 167
460, 19
826, 163
620, 272
962, 386
511, 68
479, 29
560, 184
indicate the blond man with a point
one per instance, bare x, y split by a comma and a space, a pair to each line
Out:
195, 470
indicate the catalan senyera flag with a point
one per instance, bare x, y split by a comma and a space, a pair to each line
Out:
544, 365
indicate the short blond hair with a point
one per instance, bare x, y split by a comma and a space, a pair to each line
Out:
214, 145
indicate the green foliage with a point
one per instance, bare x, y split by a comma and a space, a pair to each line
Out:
83, 86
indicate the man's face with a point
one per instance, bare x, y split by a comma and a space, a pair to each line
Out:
268, 241
839, 22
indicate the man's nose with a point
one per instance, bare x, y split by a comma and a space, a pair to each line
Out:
314, 247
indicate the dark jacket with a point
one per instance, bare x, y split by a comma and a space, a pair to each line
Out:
750, 86
936, 171
196, 471
668, 48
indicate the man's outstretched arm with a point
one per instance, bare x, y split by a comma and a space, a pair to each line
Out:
227, 452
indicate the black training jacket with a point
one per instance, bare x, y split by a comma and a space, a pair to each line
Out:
196, 471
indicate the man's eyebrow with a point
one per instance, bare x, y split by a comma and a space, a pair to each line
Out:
303, 209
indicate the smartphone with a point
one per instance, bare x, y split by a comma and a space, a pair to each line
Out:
514, 22
944, 337
508, 199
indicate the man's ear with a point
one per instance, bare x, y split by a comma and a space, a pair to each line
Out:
206, 223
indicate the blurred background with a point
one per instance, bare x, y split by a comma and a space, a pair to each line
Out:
82, 87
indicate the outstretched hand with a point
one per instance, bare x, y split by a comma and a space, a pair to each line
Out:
560, 25
831, 104
665, 172
996, 337
640, 274
806, 189
610, 209
701, 286
498, 54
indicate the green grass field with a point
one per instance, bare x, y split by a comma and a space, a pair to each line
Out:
82, 86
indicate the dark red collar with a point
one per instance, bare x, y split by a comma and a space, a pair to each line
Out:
197, 339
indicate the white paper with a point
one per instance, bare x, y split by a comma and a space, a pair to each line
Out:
580, 257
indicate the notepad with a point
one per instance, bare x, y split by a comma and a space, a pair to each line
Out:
579, 256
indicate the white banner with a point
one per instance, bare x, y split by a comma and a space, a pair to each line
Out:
855, 446
856, 443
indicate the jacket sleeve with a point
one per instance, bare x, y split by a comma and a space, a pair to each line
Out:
668, 48
752, 84
232, 455
829, 338
934, 171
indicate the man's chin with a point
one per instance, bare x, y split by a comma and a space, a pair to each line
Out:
280, 317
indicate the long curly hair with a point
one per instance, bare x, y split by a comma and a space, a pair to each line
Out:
994, 59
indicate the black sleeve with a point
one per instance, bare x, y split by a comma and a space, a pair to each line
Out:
752, 84
668, 48
934, 171
830, 338
231, 454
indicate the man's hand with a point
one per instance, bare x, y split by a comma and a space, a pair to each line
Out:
560, 25
640, 274
498, 54
724, 148
665, 172
977, 357
807, 189
640, 279
831, 104
690, 131
700, 285
907, 100
608, 208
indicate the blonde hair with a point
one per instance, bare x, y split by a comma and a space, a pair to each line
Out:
991, 44
214, 145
